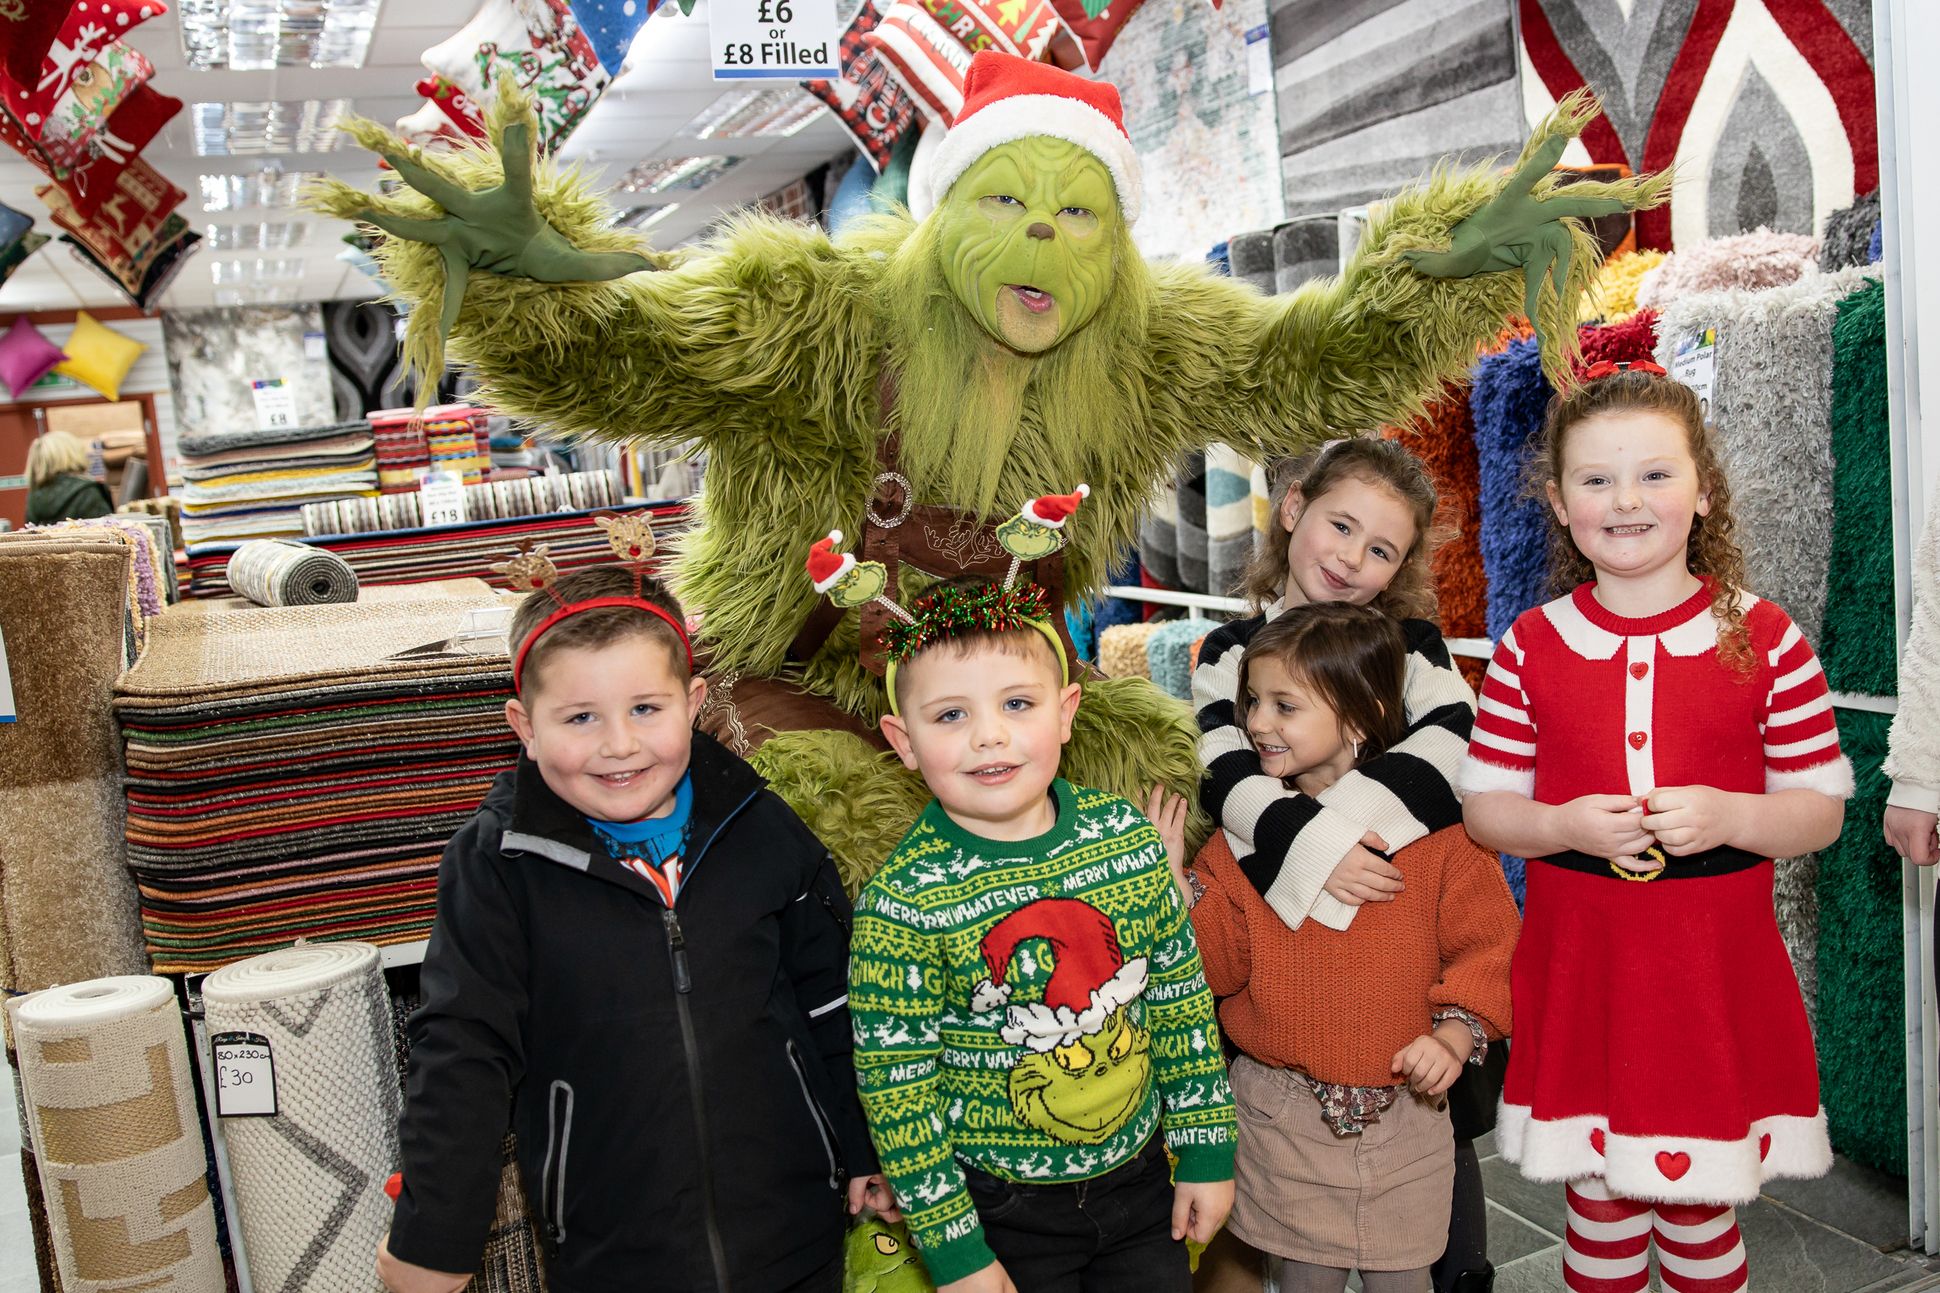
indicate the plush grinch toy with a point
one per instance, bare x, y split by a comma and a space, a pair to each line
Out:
914, 382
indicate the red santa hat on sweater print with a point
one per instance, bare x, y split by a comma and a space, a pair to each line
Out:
1090, 978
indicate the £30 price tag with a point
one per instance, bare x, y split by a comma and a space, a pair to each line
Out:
245, 1075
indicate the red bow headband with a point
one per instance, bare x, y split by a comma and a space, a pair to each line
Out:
532, 570
1607, 368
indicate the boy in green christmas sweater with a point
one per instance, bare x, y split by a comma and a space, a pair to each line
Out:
1027, 998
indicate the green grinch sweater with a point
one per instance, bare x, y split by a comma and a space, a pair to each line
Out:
1027, 1007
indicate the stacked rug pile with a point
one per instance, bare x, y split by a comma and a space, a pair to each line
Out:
572, 539
294, 772
253, 484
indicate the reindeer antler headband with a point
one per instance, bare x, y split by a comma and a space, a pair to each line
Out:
1034, 533
631, 538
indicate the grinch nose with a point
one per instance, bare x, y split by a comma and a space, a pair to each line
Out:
1040, 230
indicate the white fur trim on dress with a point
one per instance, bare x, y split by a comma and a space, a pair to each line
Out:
1475, 777
1024, 115
1718, 1171
1043, 1028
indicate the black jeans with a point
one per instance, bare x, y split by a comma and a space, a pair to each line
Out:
1111, 1234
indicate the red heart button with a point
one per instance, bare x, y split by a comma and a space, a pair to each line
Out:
1637, 740
1764, 1146
1639, 669
1672, 1165
1596, 1139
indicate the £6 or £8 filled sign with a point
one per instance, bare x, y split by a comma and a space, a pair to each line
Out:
774, 39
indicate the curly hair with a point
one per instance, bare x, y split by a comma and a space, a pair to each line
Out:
1384, 463
1713, 553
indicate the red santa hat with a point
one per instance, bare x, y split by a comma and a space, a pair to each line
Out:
1007, 98
826, 566
1090, 977
1053, 510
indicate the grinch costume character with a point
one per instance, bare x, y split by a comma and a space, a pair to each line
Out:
912, 381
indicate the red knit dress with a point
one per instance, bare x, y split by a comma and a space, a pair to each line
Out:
1660, 1039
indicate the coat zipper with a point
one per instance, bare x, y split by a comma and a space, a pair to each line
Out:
683, 987
823, 1127
552, 1177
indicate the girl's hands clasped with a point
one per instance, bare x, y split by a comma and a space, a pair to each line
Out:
1605, 826
1692, 819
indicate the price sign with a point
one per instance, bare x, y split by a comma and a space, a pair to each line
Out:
1259, 61
441, 499
1694, 361
275, 403
245, 1075
791, 40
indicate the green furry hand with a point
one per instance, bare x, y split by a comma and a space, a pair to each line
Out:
498, 229
1517, 229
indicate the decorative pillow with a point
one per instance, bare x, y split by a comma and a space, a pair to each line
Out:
98, 356
75, 81
611, 26
16, 255
538, 42
927, 44
126, 253
870, 102
25, 356
94, 92
97, 179
160, 263
1096, 24
28, 29
427, 128
127, 219
455, 104
13, 224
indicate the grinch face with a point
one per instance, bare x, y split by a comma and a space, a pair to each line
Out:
1083, 1092
1027, 239
879, 1259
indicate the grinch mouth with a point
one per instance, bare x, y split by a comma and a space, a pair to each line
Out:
1036, 300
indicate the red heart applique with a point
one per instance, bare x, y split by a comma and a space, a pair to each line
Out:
1637, 740
1639, 669
1764, 1146
1675, 1165
1596, 1139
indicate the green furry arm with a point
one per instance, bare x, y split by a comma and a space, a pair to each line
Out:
1369, 348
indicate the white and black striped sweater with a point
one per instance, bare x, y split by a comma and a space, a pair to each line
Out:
1288, 843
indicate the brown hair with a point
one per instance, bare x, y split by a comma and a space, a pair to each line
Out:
1020, 642
1384, 463
1713, 551
592, 629
1356, 658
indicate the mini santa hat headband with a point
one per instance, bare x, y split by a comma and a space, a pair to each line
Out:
1007, 98
631, 538
1036, 531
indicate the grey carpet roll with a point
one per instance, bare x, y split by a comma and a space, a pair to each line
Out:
310, 1176
276, 572
1251, 256
1305, 249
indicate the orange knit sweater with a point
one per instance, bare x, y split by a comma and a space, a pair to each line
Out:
1338, 1004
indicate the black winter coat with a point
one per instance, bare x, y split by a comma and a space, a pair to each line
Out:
680, 1080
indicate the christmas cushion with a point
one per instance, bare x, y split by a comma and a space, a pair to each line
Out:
927, 44
868, 101
164, 260
428, 128
81, 63
28, 29
128, 217
611, 25
117, 149
79, 119
98, 356
124, 249
536, 42
25, 355
1096, 24
13, 224
455, 104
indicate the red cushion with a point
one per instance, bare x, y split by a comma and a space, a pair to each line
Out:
867, 100
927, 44
28, 29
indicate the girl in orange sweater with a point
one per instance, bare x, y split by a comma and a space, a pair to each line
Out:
1350, 1037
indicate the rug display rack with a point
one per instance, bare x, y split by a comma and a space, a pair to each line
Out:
294, 772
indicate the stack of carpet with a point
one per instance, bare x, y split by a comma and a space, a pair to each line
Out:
240, 485
294, 772
572, 540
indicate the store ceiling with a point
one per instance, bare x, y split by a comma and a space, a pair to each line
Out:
642, 116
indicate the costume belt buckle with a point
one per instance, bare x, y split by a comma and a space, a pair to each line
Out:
1642, 877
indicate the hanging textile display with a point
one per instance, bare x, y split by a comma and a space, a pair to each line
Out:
277, 572
537, 43
309, 1173
106, 1081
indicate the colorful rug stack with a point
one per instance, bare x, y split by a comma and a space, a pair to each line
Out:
294, 772
572, 539
253, 484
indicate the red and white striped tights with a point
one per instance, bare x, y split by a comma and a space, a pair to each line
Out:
1607, 1247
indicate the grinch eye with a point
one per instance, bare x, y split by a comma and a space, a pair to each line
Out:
887, 1245
1121, 1045
1075, 1058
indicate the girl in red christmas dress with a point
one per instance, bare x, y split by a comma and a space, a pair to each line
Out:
1650, 740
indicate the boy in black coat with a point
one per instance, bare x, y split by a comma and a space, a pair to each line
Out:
643, 953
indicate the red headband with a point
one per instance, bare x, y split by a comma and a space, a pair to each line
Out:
593, 604
1607, 368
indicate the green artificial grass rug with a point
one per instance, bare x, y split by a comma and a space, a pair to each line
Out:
1862, 1012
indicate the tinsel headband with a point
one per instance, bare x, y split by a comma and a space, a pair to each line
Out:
1035, 532
631, 538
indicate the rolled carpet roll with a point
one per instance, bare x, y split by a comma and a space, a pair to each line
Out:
309, 1178
276, 572
105, 1079
1251, 258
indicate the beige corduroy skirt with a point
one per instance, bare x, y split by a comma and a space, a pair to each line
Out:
1375, 1201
